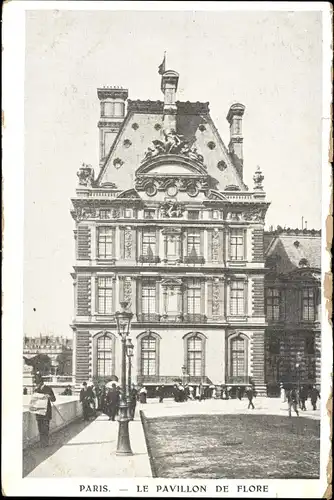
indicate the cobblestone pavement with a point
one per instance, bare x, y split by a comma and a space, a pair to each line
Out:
89, 451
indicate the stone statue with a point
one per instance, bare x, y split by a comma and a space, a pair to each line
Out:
86, 175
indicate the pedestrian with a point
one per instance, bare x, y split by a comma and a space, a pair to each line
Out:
239, 393
292, 397
112, 400
250, 396
186, 392
303, 397
191, 392
85, 397
181, 393
161, 393
315, 394
43, 421
92, 397
143, 395
25, 391
133, 402
67, 391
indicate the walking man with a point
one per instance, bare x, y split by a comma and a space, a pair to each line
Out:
161, 393
239, 394
133, 402
43, 421
303, 397
314, 397
250, 396
293, 401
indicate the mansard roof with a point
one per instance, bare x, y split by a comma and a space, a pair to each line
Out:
294, 250
144, 123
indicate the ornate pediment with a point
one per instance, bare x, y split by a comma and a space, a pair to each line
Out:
249, 214
129, 194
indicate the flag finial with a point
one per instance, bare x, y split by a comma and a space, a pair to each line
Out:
162, 67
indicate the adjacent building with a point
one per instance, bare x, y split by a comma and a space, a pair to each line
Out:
293, 307
168, 225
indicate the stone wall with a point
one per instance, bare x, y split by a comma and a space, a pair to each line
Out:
69, 408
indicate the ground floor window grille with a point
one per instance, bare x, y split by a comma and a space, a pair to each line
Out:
104, 356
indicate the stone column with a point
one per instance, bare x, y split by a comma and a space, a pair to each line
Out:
258, 362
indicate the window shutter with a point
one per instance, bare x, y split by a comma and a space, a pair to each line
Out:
139, 296
157, 297
245, 243
221, 246
122, 242
83, 242
157, 242
210, 235
201, 242
202, 297
113, 242
121, 288
185, 250
83, 295
209, 298
185, 298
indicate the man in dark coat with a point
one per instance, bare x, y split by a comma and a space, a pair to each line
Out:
303, 392
239, 393
161, 393
85, 399
113, 397
133, 402
314, 397
43, 421
250, 396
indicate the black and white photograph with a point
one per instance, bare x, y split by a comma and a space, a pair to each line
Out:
167, 237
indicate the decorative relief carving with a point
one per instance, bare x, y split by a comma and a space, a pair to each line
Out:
215, 298
135, 126
215, 246
118, 162
221, 165
151, 186
128, 243
157, 126
86, 175
173, 144
253, 214
211, 145
202, 128
116, 213
127, 143
172, 209
128, 292
81, 213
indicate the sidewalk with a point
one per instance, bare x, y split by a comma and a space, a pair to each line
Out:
92, 453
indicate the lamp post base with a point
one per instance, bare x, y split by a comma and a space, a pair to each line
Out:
123, 443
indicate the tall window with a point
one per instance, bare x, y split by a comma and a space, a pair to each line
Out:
308, 304
148, 356
238, 357
104, 297
237, 246
105, 242
148, 297
194, 243
195, 356
273, 300
104, 356
149, 242
194, 297
237, 298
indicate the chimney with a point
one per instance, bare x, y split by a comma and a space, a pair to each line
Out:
234, 117
169, 82
112, 112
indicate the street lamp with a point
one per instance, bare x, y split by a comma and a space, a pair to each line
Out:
129, 352
123, 320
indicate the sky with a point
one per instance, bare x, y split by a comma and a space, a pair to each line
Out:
269, 61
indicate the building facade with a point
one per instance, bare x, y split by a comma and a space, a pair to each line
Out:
293, 307
168, 225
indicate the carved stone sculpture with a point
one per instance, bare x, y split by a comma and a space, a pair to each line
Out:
172, 209
173, 144
128, 243
86, 175
258, 179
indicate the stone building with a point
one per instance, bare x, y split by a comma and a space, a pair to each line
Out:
168, 225
56, 350
293, 307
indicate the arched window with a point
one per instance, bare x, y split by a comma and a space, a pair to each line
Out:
149, 355
195, 351
238, 349
105, 346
